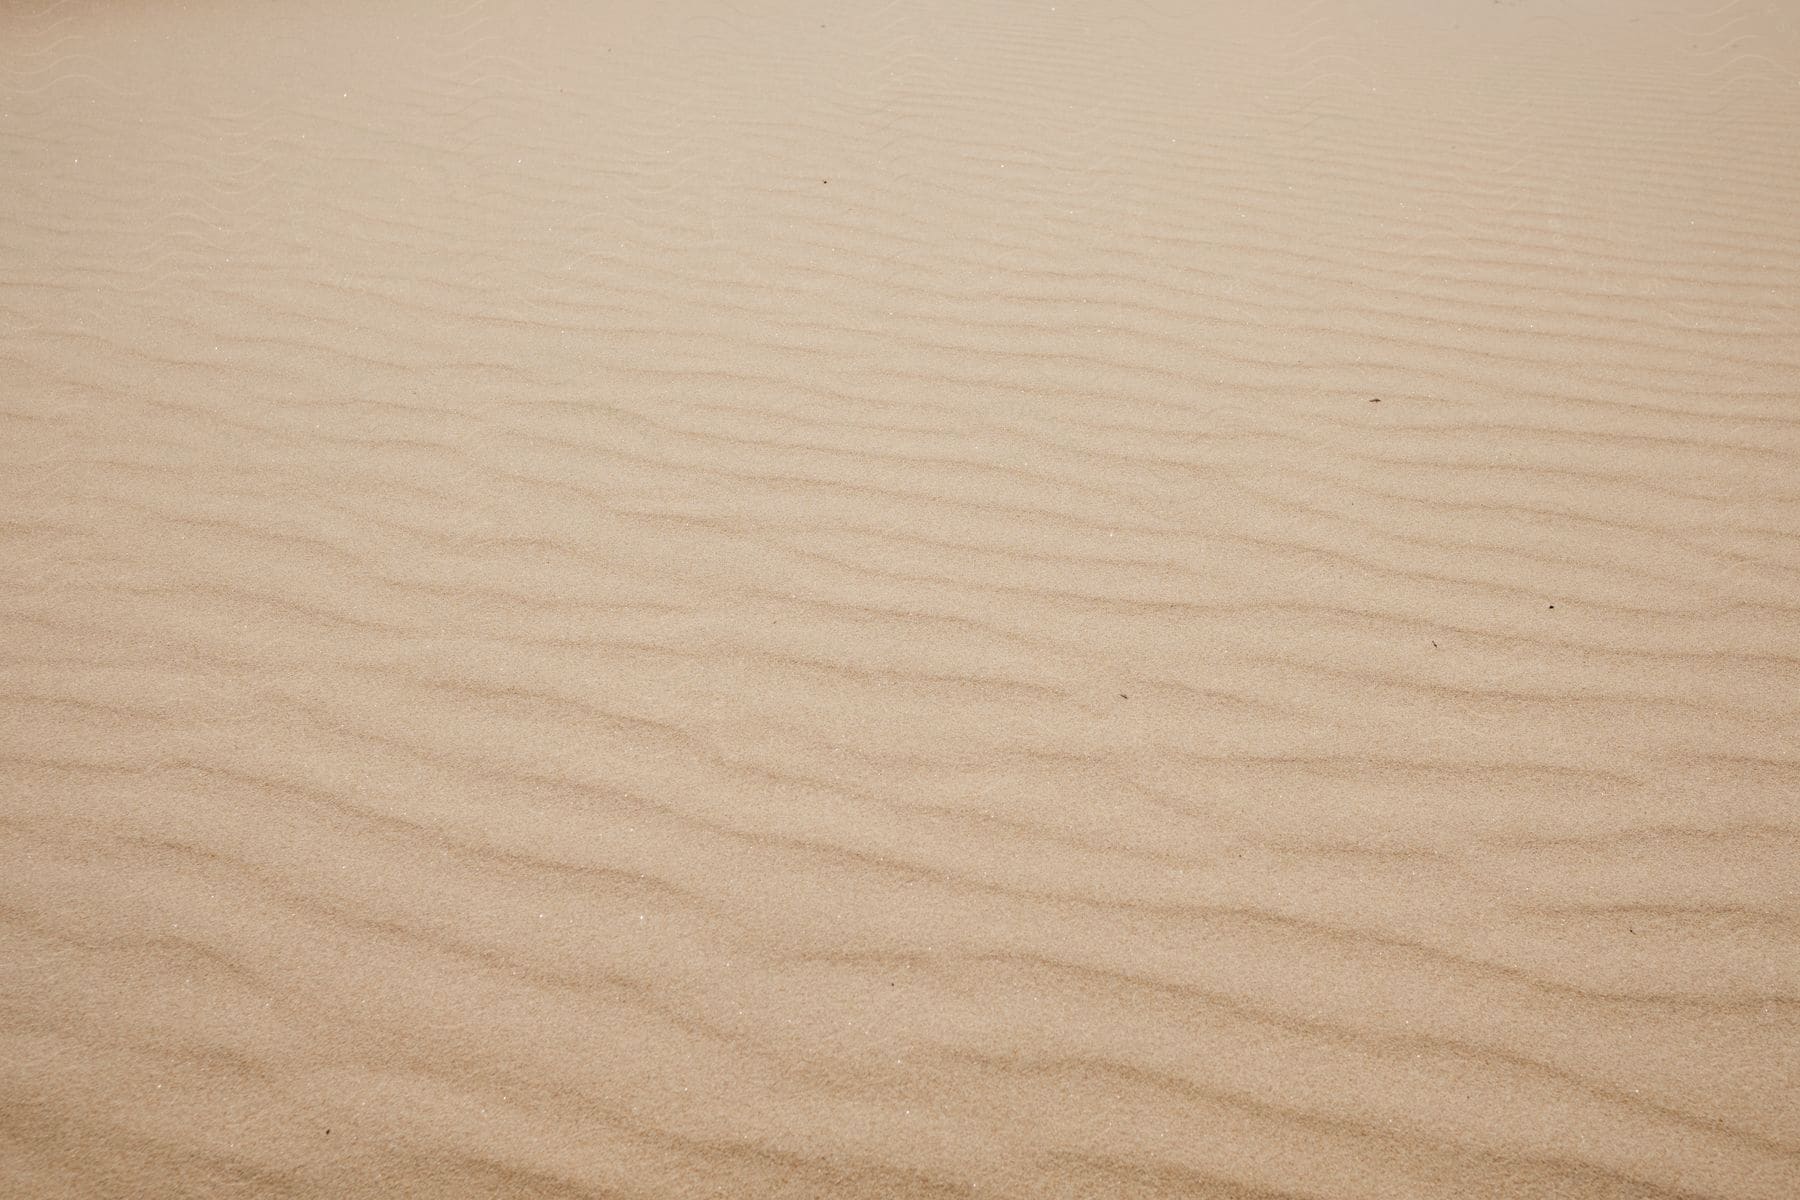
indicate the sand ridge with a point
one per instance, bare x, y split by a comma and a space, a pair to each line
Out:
814, 600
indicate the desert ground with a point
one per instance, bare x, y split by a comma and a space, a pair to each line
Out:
1103, 598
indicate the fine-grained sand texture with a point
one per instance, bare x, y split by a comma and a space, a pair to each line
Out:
1080, 599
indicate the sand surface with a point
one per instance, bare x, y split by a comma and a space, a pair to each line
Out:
1081, 599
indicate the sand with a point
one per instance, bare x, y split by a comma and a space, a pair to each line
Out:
1096, 599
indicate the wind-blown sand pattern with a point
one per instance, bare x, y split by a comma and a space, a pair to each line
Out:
815, 600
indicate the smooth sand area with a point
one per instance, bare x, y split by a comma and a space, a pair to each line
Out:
919, 599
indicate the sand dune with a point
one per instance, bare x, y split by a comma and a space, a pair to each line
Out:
824, 600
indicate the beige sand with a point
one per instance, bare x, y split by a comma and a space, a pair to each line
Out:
858, 600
